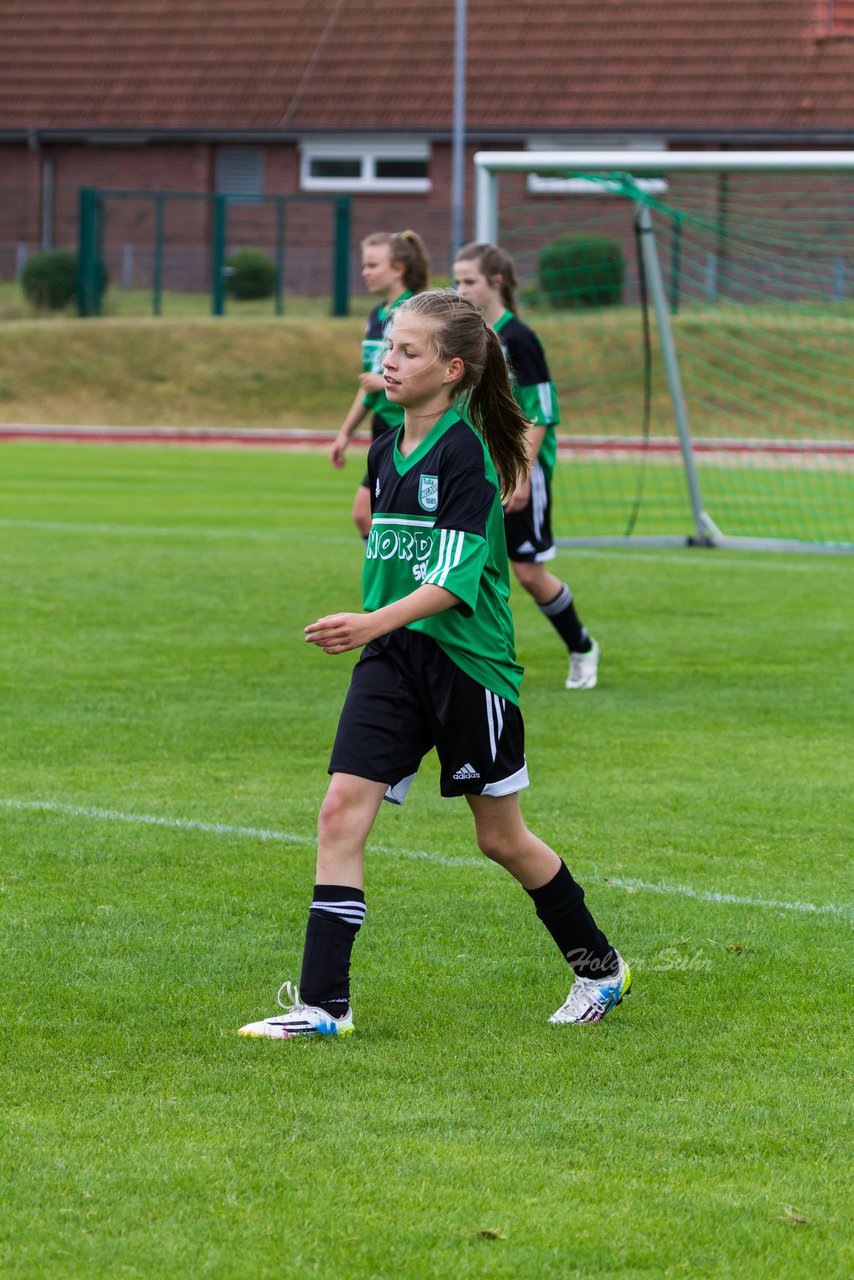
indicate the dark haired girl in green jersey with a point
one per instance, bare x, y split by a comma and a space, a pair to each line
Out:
486, 275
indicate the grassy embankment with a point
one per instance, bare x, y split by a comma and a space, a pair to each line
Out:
746, 372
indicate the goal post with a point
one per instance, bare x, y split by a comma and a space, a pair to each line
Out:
735, 428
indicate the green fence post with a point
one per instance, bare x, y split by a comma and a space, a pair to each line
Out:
218, 260
98, 273
280, 252
157, 283
341, 276
86, 254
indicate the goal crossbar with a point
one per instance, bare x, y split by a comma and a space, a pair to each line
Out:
626, 162
489, 164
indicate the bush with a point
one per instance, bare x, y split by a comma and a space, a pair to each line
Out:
49, 279
250, 274
582, 271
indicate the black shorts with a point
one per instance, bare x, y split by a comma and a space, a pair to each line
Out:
529, 532
379, 427
406, 696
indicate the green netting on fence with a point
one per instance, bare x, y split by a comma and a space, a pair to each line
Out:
758, 272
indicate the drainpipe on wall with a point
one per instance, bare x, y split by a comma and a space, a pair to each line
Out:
45, 189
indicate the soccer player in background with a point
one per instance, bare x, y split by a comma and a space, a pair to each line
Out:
394, 267
438, 665
486, 276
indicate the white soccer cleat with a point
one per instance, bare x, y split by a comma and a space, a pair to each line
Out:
591, 998
299, 1019
584, 668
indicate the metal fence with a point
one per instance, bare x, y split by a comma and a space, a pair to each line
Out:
161, 241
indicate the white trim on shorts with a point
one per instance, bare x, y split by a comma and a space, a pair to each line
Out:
506, 786
538, 499
397, 793
495, 720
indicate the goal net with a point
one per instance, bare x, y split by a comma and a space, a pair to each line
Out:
699, 324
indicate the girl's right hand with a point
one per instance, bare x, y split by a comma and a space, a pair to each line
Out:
336, 454
341, 632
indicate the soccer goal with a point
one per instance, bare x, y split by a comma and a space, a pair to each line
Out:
697, 310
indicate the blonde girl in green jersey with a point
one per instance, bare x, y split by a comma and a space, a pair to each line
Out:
394, 267
438, 665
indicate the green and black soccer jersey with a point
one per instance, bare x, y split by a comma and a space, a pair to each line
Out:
531, 382
437, 518
373, 350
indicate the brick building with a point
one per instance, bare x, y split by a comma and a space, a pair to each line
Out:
323, 97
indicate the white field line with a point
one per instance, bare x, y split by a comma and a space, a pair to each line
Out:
717, 559
221, 829
156, 531
692, 557
419, 855
774, 904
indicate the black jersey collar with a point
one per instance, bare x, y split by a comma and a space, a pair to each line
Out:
448, 418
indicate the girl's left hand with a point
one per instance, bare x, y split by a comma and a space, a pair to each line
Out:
340, 632
520, 498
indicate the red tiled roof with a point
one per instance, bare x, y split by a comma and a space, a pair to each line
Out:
836, 17
558, 65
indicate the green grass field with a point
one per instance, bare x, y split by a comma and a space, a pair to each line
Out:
747, 496
165, 736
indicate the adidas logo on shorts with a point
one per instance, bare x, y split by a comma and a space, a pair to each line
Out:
464, 774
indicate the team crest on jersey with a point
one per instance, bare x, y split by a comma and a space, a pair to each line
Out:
428, 492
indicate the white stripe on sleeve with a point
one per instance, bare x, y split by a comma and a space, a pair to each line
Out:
451, 545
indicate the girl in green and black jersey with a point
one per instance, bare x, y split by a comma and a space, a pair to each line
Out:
486, 275
438, 665
394, 267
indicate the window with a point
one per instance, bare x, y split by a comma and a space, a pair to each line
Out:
550, 184
331, 168
240, 172
400, 168
368, 165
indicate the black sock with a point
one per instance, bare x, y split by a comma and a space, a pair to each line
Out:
566, 622
334, 919
560, 906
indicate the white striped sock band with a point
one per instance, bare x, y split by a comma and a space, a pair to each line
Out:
350, 912
561, 601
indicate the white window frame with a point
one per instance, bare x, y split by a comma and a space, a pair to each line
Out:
368, 151
541, 184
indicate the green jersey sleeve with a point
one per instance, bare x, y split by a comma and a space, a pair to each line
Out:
458, 552
538, 402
